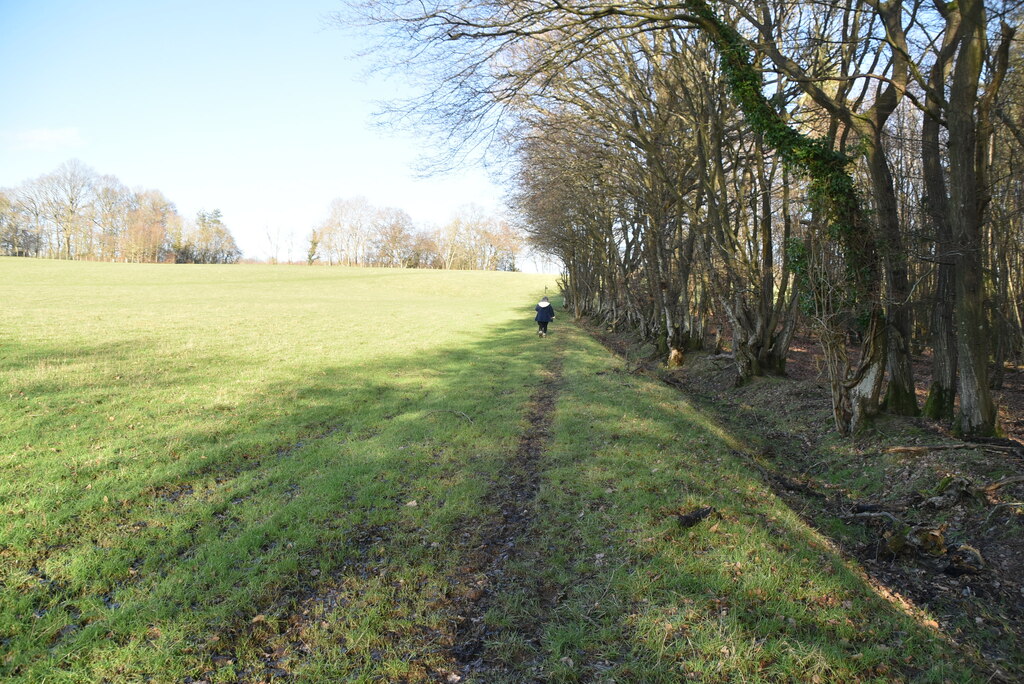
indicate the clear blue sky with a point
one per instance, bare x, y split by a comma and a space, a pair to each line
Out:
256, 108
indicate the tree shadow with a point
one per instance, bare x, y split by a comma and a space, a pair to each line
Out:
613, 588
241, 507
314, 526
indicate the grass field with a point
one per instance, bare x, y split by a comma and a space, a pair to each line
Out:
245, 473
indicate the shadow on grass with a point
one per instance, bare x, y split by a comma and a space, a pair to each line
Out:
613, 588
189, 523
313, 526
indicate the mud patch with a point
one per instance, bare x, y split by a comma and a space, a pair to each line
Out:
495, 541
278, 637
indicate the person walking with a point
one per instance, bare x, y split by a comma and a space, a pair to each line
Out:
545, 314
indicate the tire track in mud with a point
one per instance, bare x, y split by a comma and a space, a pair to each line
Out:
496, 541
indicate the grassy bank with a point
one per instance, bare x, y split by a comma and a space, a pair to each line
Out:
619, 590
241, 473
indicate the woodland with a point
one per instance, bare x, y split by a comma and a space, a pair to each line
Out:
73, 212
731, 169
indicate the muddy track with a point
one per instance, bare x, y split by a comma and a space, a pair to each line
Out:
495, 541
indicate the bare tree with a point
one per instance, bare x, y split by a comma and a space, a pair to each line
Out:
17, 237
855, 65
393, 238
68, 195
111, 208
345, 236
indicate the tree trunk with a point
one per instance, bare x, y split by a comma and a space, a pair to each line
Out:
900, 397
942, 392
865, 386
977, 417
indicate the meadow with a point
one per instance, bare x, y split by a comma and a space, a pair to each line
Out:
253, 473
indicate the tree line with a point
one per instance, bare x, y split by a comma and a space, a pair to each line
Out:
76, 213
355, 233
749, 166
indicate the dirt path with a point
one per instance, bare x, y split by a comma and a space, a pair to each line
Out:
495, 541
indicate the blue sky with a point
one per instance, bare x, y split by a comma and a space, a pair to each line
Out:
256, 108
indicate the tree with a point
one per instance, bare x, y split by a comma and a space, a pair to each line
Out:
968, 118
448, 241
314, 246
213, 242
854, 65
344, 237
206, 241
68, 193
16, 236
506, 245
393, 238
29, 207
112, 205
153, 226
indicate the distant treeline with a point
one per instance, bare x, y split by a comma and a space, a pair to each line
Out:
75, 213
355, 233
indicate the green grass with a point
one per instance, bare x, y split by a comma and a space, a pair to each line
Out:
620, 592
207, 472
184, 449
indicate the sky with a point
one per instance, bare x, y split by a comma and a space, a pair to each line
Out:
260, 109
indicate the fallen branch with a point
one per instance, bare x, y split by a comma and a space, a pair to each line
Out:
458, 413
988, 489
924, 450
788, 483
873, 514
876, 508
693, 517
813, 466
1018, 504
1003, 443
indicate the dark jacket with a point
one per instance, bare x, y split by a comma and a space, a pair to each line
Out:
545, 313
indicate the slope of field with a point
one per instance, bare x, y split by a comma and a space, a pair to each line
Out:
266, 473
